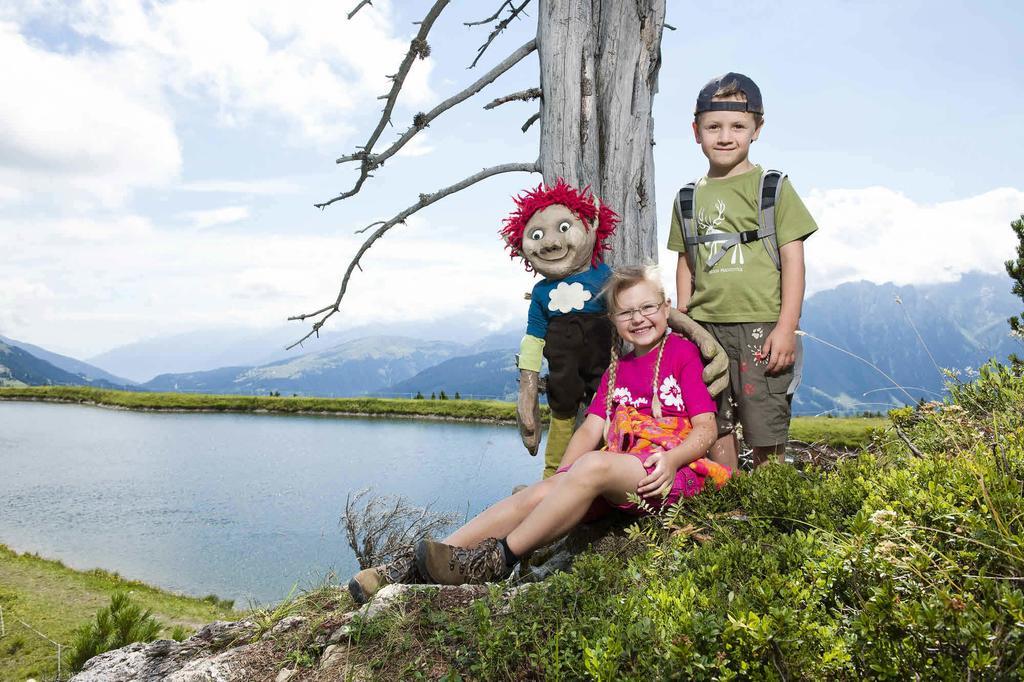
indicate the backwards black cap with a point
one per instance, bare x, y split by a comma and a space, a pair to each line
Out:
753, 104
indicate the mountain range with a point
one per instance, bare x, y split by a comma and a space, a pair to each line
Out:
867, 347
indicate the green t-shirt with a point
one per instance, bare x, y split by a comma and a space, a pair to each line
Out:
744, 286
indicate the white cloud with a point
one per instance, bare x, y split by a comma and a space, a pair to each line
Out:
304, 63
417, 146
218, 216
141, 280
71, 122
880, 235
89, 112
267, 186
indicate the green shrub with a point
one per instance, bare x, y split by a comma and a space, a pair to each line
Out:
115, 626
905, 562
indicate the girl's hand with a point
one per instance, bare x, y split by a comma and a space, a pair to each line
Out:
659, 482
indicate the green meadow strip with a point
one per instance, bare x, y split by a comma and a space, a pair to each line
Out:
45, 600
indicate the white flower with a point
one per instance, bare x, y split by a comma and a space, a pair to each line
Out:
670, 393
883, 517
622, 396
757, 333
566, 298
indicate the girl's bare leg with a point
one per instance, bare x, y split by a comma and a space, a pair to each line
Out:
595, 473
498, 520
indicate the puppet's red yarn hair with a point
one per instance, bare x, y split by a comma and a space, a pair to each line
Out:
580, 202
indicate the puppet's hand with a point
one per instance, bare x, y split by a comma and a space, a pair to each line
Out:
716, 362
528, 410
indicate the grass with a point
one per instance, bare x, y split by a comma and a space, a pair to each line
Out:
847, 433
904, 562
55, 600
480, 410
841, 433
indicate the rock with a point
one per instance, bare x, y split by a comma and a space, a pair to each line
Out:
284, 675
339, 634
196, 659
286, 624
332, 656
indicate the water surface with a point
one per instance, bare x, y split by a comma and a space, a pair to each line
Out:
243, 506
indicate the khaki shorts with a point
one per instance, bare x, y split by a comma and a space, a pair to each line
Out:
759, 402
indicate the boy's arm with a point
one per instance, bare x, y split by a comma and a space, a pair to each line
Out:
780, 346
684, 282
585, 439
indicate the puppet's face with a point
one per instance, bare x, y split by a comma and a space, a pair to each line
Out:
557, 243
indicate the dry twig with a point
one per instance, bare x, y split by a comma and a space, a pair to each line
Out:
530, 121
507, 3
418, 48
370, 162
501, 26
379, 526
425, 200
522, 96
362, 4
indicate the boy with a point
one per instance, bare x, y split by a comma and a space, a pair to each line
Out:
744, 284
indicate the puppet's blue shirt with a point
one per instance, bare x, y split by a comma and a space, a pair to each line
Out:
574, 294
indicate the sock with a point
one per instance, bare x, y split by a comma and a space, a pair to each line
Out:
510, 558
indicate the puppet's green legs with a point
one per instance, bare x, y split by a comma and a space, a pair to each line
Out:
559, 432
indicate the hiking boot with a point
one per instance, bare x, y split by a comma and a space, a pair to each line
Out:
448, 565
402, 569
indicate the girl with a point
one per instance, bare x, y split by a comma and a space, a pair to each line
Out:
657, 418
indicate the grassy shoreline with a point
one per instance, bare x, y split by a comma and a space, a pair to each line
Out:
54, 600
493, 411
847, 433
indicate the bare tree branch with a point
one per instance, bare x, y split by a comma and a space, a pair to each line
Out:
507, 3
358, 7
425, 200
370, 162
418, 48
669, 27
530, 121
522, 96
501, 26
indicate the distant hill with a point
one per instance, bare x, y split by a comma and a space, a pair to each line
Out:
358, 367
207, 349
76, 367
961, 324
491, 374
18, 367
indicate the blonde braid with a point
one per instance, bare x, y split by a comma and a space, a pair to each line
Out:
613, 368
655, 400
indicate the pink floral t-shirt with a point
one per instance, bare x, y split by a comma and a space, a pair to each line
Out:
680, 387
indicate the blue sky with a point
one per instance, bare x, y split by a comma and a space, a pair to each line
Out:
158, 163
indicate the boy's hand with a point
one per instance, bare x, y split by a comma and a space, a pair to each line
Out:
659, 482
780, 349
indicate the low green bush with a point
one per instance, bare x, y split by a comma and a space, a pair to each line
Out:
905, 562
115, 626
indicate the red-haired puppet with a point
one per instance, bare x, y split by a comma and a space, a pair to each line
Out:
561, 233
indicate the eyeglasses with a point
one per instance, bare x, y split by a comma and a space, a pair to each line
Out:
647, 309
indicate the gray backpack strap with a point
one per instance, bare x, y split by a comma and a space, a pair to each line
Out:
684, 209
769, 190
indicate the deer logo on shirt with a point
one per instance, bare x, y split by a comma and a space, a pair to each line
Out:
708, 225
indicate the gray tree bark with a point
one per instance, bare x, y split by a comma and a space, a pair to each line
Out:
599, 63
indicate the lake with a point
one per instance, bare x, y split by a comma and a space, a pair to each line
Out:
242, 506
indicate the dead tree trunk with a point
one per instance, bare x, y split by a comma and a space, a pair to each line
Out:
599, 62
